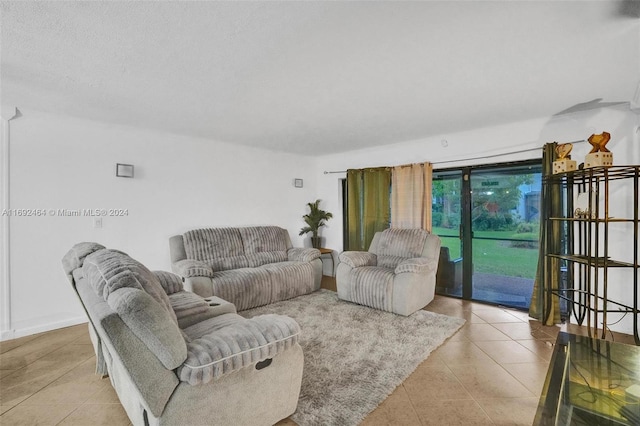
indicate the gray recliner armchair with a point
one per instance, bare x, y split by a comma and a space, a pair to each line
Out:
397, 274
175, 358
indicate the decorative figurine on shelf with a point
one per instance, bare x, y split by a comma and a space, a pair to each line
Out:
598, 142
599, 154
581, 204
564, 163
563, 150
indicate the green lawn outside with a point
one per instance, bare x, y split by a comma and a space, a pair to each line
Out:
495, 256
488, 234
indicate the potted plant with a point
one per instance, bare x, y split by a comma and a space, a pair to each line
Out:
314, 220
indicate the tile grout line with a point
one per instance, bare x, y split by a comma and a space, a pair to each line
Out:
507, 371
467, 390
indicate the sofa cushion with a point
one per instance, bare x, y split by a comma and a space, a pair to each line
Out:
109, 270
212, 243
237, 345
228, 263
246, 287
258, 239
387, 261
265, 257
211, 325
151, 324
401, 242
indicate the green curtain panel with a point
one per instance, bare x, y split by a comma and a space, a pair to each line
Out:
377, 202
544, 306
368, 204
354, 210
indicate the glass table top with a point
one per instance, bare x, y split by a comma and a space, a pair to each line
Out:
591, 382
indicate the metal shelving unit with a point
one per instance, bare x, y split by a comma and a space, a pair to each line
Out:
582, 259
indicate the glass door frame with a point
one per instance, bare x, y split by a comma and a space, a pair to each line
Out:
466, 226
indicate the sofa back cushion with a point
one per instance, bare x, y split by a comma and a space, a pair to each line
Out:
233, 248
109, 270
265, 244
211, 243
257, 239
395, 245
74, 258
221, 248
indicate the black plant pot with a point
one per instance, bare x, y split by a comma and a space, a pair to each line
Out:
316, 242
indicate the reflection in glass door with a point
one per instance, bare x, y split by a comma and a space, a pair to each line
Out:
505, 225
488, 221
446, 223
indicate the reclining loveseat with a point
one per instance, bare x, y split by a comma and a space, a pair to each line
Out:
175, 358
247, 266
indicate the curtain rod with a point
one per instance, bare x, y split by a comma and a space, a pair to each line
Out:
473, 158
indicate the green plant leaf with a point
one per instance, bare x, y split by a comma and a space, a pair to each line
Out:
315, 219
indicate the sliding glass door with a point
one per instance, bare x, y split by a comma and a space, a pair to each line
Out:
447, 224
505, 225
488, 220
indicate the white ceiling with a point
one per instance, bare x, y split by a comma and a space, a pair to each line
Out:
317, 77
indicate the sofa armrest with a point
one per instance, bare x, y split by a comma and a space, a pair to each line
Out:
417, 265
355, 259
303, 254
236, 346
188, 268
192, 309
186, 304
171, 283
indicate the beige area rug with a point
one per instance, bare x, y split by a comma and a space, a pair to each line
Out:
355, 356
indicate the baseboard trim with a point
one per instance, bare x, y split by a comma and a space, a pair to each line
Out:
28, 331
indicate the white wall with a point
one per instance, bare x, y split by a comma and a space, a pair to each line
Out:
60, 162
180, 183
528, 136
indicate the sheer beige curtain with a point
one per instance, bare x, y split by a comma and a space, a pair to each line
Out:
411, 196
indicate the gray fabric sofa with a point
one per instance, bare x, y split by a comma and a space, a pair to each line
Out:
175, 358
397, 274
247, 266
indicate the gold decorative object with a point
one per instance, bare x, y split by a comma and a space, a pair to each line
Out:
599, 156
563, 150
564, 163
598, 142
582, 208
